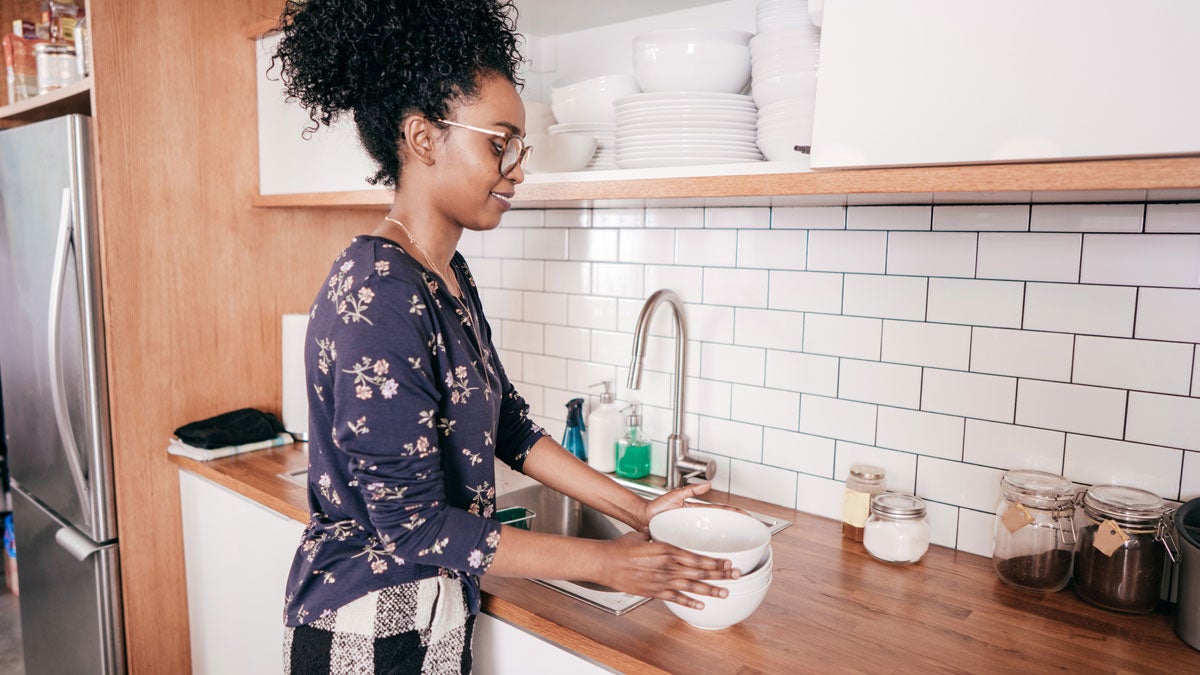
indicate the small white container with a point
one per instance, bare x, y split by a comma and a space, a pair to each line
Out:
896, 531
55, 66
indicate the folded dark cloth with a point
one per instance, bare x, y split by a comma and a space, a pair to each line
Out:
232, 428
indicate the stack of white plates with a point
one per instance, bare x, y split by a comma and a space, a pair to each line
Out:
783, 59
605, 134
681, 128
785, 130
772, 15
782, 66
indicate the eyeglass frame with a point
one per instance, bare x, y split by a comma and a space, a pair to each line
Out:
523, 150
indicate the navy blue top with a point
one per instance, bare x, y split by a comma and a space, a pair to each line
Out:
408, 407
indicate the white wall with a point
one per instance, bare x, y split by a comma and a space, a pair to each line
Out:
947, 343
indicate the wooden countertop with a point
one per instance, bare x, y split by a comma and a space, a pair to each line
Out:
831, 607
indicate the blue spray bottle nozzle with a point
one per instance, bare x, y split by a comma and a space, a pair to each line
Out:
573, 436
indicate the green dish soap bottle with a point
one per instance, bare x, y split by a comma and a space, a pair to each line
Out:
633, 448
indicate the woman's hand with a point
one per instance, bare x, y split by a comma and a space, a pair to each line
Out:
675, 499
655, 570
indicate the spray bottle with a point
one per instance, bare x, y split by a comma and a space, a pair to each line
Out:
573, 436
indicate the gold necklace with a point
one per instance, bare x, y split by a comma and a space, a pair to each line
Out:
444, 274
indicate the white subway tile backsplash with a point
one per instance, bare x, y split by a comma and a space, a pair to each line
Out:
741, 217
583, 374
571, 343
1071, 407
819, 496
1100, 460
1023, 353
806, 291
774, 249
943, 523
618, 217
567, 217
569, 277
730, 439
714, 248
769, 328
935, 254
470, 244
806, 373
1168, 314
524, 218
513, 363
765, 483
853, 337
1142, 259
586, 311
710, 324
1164, 420
975, 532
957, 483
927, 344
808, 218
675, 218
1029, 256
532, 394
766, 407
835, 418
501, 304
884, 296
1189, 485
1134, 364
1073, 308
687, 282
654, 390
889, 218
503, 243
738, 287
547, 371
617, 279
647, 246
546, 245
1086, 217
548, 308
986, 397
921, 432
1173, 218
523, 337
901, 467
798, 452
589, 244
611, 348
1008, 446
1196, 372
525, 275
974, 302
982, 218
834, 251
729, 363
486, 272
883, 383
708, 397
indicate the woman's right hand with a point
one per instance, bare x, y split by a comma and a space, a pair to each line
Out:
656, 570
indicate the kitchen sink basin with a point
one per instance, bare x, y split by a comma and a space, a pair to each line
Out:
540, 509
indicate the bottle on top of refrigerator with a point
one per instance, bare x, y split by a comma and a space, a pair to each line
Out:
604, 427
573, 436
633, 448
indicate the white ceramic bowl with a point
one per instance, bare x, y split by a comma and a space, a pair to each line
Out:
559, 152
719, 613
778, 88
716, 533
782, 148
692, 59
590, 100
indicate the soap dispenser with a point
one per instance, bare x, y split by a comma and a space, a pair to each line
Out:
603, 428
633, 449
573, 436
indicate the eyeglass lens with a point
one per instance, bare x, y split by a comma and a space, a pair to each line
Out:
513, 154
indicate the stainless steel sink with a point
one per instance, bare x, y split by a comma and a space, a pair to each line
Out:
542, 509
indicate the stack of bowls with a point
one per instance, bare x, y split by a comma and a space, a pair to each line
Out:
784, 66
585, 108
729, 535
685, 128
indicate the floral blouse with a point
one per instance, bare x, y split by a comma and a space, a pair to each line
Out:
408, 407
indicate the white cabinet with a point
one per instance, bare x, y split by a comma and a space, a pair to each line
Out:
504, 649
237, 553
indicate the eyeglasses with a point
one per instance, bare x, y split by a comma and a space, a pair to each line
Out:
513, 154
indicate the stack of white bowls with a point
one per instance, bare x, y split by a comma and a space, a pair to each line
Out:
723, 534
585, 108
784, 69
605, 135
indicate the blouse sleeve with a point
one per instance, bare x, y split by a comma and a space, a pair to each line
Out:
386, 422
517, 434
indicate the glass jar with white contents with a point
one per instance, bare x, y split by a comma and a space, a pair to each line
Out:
896, 531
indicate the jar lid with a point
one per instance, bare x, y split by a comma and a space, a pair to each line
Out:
1127, 504
898, 506
1037, 488
867, 471
51, 48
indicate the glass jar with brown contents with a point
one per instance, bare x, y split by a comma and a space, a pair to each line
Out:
865, 481
1034, 531
1123, 541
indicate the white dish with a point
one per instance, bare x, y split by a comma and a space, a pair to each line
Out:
683, 96
686, 144
686, 135
692, 59
721, 613
559, 153
590, 100
658, 162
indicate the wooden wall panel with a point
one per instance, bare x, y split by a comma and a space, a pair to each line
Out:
195, 278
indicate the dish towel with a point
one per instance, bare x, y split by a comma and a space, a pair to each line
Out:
178, 447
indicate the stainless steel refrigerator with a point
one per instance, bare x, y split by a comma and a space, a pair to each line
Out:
55, 401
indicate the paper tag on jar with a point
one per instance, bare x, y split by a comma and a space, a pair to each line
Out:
856, 506
1016, 517
1109, 537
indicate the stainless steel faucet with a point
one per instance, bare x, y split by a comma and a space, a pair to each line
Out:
680, 465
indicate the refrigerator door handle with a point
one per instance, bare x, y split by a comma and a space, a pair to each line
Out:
61, 414
79, 546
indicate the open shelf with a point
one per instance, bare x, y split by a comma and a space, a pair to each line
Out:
74, 98
768, 183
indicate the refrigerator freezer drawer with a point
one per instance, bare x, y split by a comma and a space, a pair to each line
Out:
70, 609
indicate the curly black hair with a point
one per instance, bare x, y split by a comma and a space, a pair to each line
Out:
383, 60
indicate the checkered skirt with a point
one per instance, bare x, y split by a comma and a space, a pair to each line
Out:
419, 627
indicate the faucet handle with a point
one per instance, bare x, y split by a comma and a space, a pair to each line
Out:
692, 467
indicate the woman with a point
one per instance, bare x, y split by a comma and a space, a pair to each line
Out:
409, 405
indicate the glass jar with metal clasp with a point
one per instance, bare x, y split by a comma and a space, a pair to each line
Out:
1034, 530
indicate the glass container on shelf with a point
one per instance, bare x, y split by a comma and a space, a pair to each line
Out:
864, 482
1034, 530
1124, 539
896, 531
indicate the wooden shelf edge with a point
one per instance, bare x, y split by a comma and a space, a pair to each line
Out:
260, 28
1161, 173
75, 97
